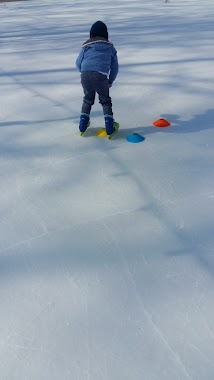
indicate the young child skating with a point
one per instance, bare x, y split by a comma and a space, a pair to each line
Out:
98, 64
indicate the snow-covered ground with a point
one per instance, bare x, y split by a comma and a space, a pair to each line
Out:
107, 247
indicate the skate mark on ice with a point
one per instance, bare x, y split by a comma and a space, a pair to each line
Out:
147, 314
200, 352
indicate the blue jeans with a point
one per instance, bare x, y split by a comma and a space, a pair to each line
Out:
94, 82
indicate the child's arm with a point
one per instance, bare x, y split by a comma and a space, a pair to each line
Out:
79, 59
114, 69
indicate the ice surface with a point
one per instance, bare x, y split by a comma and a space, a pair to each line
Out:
106, 247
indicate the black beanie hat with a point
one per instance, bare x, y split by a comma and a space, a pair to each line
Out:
99, 29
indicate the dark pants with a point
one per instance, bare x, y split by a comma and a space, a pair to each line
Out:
94, 82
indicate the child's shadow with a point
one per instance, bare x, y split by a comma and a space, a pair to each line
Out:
198, 123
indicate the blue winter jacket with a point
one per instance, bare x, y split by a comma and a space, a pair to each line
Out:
98, 54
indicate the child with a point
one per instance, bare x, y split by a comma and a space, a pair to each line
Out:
98, 64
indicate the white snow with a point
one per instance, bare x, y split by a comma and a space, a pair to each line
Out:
107, 247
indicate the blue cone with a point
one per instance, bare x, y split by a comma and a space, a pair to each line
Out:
135, 138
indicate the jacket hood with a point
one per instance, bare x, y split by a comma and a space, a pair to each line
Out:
100, 43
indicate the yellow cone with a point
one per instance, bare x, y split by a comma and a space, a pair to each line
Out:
101, 132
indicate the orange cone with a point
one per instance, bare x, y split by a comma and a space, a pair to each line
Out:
161, 123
